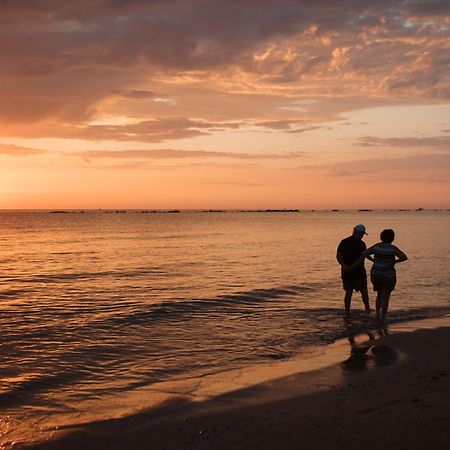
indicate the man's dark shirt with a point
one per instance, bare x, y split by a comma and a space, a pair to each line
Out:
350, 249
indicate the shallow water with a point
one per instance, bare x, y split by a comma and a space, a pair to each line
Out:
97, 306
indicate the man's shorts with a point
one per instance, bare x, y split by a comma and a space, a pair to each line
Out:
383, 282
354, 284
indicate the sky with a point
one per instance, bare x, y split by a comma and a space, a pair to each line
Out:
308, 104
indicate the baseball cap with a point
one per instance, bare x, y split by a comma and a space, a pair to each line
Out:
360, 228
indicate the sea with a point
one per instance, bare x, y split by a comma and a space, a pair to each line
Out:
105, 313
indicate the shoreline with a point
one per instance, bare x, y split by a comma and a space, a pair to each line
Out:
374, 378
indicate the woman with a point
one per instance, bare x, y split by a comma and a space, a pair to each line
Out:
383, 274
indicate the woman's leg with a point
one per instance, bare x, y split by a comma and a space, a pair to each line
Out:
378, 304
385, 296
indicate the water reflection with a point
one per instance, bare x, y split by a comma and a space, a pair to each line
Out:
365, 353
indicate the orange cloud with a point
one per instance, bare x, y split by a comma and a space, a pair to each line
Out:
440, 142
435, 166
61, 64
16, 150
182, 154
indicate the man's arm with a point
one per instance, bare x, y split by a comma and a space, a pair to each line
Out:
341, 261
339, 258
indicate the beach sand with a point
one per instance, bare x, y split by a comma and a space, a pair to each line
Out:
390, 392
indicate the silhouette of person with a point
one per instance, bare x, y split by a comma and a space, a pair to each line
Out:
354, 277
383, 274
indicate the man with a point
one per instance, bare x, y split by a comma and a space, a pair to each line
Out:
348, 252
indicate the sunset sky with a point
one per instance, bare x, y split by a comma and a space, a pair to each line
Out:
224, 104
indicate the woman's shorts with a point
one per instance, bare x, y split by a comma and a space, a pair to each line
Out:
383, 282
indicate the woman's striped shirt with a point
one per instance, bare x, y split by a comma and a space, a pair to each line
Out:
384, 256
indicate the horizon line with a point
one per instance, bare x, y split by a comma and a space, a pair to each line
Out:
166, 210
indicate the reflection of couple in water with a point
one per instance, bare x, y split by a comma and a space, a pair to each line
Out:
351, 254
360, 356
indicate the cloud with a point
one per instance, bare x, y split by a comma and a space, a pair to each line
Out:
135, 93
237, 183
180, 154
154, 130
433, 8
428, 165
303, 130
440, 142
15, 150
279, 124
168, 101
65, 65
290, 126
149, 164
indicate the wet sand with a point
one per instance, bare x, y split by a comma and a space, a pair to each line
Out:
389, 392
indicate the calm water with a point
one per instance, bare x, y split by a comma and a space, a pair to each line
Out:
97, 306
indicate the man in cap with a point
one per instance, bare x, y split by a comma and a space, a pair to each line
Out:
348, 252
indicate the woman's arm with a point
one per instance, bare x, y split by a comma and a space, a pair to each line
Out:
365, 254
400, 255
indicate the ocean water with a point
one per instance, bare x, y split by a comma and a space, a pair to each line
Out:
97, 306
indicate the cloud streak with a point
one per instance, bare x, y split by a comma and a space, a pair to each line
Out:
426, 164
16, 150
438, 142
181, 154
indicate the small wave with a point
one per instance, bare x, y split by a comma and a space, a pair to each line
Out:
63, 277
269, 294
28, 391
238, 302
407, 315
330, 326
75, 253
13, 293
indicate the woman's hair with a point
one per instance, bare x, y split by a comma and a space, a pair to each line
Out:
387, 236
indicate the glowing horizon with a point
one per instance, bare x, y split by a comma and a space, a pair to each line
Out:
199, 104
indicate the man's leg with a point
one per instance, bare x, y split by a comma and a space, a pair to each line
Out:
365, 297
348, 300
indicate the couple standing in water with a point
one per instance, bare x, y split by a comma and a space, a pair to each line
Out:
351, 254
